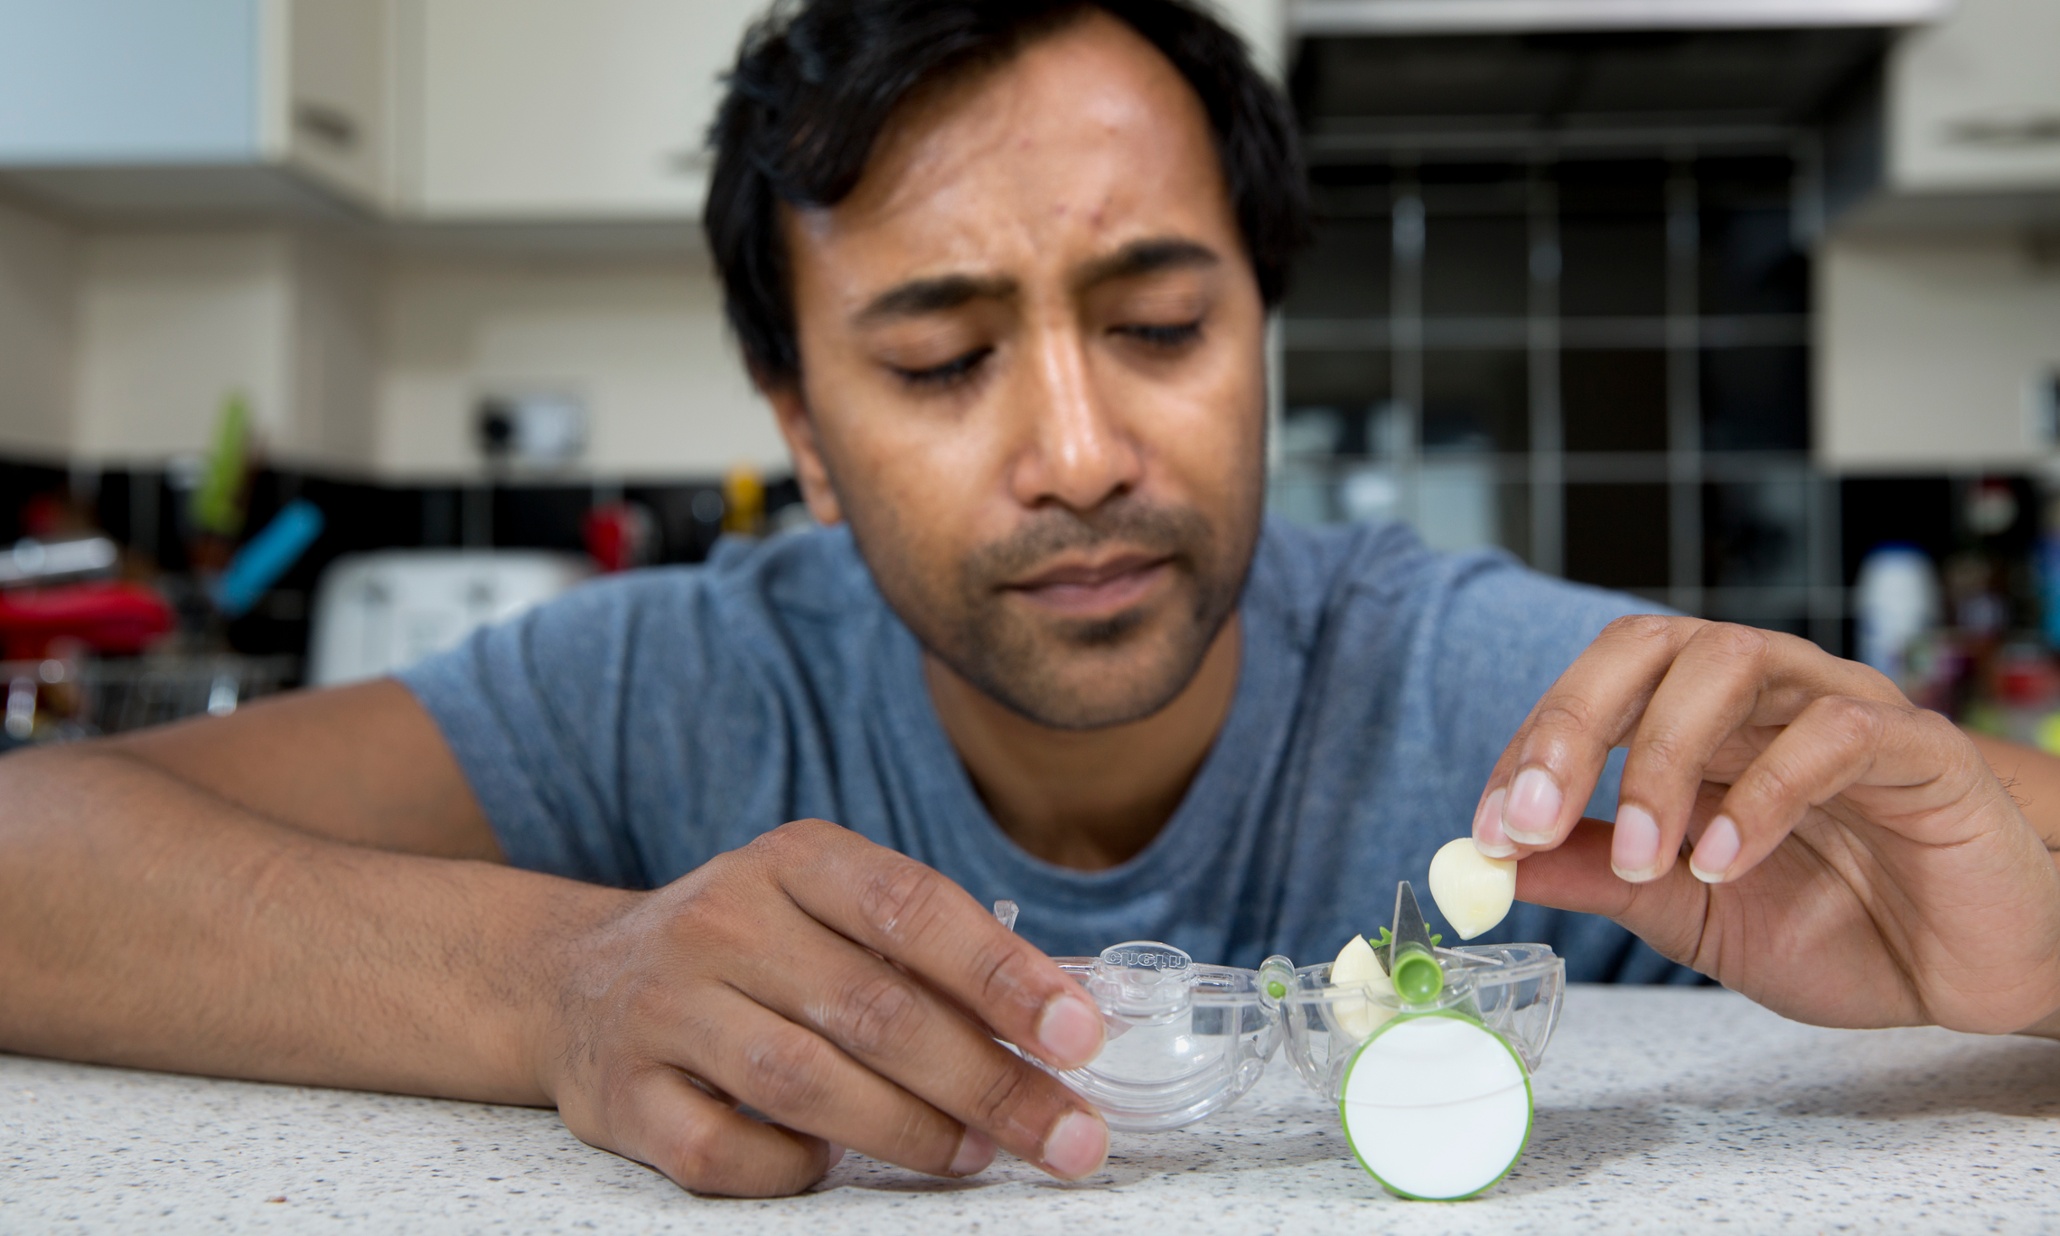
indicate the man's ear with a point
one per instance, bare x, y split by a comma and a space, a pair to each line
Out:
797, 426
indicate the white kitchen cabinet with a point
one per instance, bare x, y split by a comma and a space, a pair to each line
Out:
1263, 24
327, 116
1935, 353
588, 110
564, 110
127, 81
144, 105
1974, 101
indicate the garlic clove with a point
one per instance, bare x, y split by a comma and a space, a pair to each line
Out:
1358, 965
1473, 891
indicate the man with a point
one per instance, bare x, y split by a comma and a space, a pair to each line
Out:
1002, 271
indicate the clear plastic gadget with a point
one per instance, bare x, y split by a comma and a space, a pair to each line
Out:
1186, 1040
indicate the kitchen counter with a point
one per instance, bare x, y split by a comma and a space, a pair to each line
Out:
1658, 1110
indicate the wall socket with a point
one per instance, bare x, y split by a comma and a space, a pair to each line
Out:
2042, 404
532, 429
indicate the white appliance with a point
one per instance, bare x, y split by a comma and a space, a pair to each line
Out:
376, 613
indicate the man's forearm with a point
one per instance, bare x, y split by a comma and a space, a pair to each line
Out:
146, 922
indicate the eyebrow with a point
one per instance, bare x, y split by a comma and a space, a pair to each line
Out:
920, 297
1148, 257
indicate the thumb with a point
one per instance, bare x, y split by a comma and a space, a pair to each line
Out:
1668, 913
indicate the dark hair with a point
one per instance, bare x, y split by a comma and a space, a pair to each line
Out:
816, 81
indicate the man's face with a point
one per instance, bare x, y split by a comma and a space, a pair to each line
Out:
1033, 377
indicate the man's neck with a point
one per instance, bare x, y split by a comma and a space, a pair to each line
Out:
1087, 799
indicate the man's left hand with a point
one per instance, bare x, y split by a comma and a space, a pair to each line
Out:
1854, 860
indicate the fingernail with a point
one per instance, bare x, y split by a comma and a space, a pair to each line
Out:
975, 1152
1070, 1030
1634, 844
1533, 809
836, 1156
1715, 853
1488, 837
1077, 1146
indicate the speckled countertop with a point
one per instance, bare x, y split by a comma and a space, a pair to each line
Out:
1659, 1110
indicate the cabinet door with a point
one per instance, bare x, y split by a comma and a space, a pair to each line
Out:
568, 109
1975, 100
86, 82
1933, 354
331, 123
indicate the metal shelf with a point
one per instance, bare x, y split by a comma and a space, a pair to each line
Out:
1391, 17
1530, 509
1717, 331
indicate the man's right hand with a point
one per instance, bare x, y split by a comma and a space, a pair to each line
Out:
307, 891
847, 995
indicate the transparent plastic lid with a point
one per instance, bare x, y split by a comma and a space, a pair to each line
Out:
1186, 1040
1183, 1039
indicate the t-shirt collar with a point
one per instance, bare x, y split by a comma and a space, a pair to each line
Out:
1184, 849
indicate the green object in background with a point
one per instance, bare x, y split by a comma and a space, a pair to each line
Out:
2049, 734
218, 500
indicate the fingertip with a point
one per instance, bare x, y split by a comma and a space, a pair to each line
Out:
975, 1152
1488, 836
1069, 1031
1717, 853
1530, 816
1634, 845
1077, 1147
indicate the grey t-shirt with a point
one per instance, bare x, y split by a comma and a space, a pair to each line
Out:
636, 727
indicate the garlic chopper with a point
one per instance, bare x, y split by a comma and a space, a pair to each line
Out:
1431, 1079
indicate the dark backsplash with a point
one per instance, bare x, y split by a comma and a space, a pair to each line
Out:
143, 510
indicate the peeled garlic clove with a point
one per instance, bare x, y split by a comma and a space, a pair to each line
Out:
1473, 891
1358, 966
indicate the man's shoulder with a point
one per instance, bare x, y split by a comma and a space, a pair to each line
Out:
797, 601
798, 576
1305, 576
813, 574
1311, 557
1350, 579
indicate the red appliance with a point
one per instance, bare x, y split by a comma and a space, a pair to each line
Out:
108, 616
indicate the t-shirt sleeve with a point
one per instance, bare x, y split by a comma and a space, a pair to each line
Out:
1503, 638
534, 709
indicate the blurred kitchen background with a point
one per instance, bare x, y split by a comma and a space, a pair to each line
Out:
331, 328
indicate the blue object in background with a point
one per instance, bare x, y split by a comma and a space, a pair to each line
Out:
267, 556
128, 81
2049, 586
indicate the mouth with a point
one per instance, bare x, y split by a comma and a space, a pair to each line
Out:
1094, 587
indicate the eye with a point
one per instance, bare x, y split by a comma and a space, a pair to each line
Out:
1165, 338
946, 375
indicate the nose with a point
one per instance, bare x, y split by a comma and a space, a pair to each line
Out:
1077, 451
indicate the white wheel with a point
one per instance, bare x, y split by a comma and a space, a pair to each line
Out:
1437, 1107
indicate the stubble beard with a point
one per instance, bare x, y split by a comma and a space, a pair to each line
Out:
1079, 674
